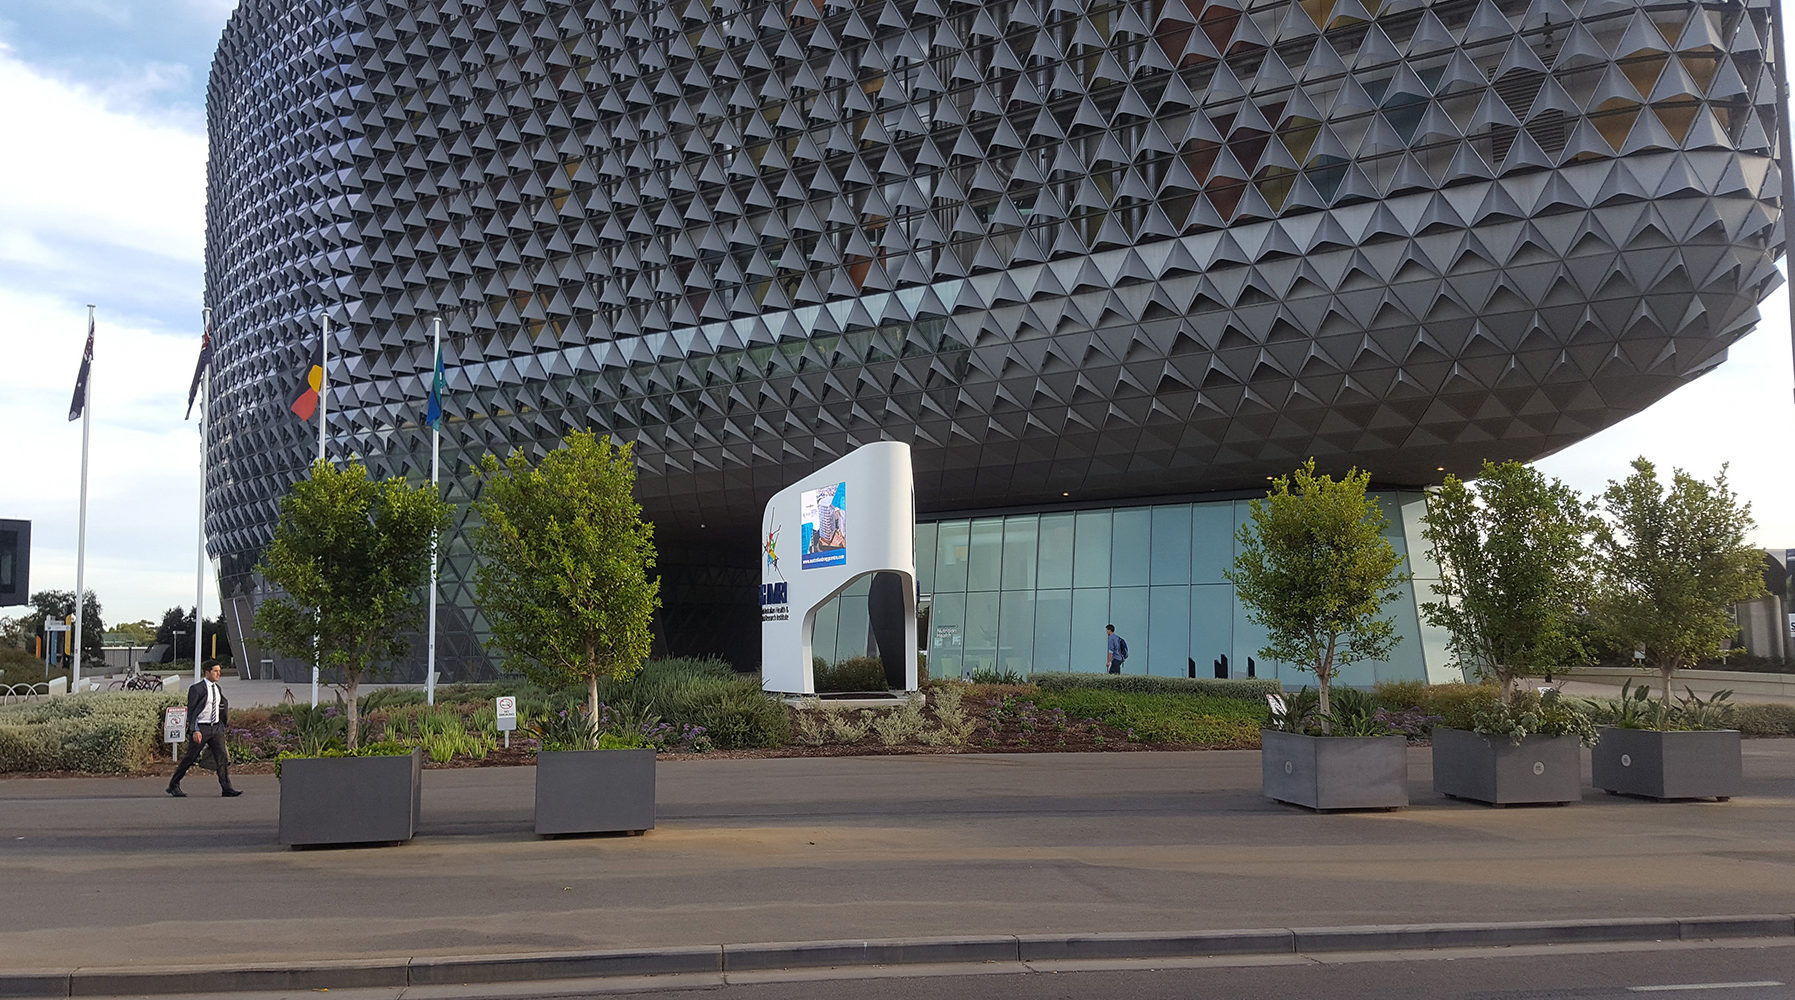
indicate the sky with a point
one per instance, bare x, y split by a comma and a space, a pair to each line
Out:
108, 207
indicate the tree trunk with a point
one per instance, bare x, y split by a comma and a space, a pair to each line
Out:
354, 686
592, 704
1323, 677
1508, 684
1665, 669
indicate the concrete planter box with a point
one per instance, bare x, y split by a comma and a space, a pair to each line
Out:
594, 791
1491, 769
1692, 765
1335, 772
349, 800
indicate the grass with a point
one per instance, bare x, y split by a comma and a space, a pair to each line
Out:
1185, 720
18, 666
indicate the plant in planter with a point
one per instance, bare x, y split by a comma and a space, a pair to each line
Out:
563, 580
1513, 554
1315, 569
1653, 749
1362, 764
349, 556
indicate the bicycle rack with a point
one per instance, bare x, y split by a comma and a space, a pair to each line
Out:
24, 692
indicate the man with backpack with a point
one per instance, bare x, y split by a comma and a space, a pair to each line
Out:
1118, 650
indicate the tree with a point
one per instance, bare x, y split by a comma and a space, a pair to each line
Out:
1672, 563
141, 632
1315, 570
1513, 551
180, 619
58, 605
565, 556
351, 556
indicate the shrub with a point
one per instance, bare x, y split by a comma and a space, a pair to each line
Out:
1765, 719
1149, 717
1244, 688
857, 673
96, 732
988, 675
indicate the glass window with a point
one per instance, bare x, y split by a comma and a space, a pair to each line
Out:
1016, 631
984, 567
822, 636
1168, 632
1053, 630
947, 634
1019, 552
1171, 544
1211, 542
925, 559
1128, 611
1130, 548
1090, 612
980, 632
1212, 630
950, 557
851, 637
1054, 564
1090, 550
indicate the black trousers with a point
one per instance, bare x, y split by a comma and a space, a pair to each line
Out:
211, 738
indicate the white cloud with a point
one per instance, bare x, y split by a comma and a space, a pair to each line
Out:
82, 168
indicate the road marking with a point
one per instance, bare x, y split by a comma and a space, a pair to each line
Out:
1702, 986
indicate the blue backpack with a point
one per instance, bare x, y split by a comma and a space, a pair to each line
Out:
1121, 648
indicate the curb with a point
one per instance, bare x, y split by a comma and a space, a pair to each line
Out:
721, 959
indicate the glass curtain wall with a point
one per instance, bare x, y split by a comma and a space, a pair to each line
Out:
1031, 593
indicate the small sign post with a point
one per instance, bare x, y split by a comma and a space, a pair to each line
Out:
174, 730
505, 709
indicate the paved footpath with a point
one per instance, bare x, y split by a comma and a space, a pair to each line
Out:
110, 873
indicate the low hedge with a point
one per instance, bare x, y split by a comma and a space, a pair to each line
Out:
110, 732
1244, 688
1764, 719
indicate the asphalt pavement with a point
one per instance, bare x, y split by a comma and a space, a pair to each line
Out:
111, 887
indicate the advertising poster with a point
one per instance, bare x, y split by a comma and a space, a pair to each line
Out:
825, 527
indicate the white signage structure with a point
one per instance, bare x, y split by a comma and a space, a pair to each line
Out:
505, 712
852, 518
174, 728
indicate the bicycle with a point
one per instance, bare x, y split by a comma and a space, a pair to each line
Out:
136, 680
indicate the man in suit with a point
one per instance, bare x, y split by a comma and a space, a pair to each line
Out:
207, 712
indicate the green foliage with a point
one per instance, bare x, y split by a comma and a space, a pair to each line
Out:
564, 564
1514, 564
1315, 570
1351, 712
1253, 689
93, 732
351, 557
441, 731
381, 748
1765, 719
58, 605
1672, 565
1529, 713
858, 673
957, 725
1637, 709
1181, 719
317, 730
391, 698
18, 666
988, 675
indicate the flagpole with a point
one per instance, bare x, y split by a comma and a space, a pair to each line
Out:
435, 456
81, 530
199, 598
323, 386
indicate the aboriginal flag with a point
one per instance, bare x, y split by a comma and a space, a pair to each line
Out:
199, 370
306, 403
433, 410
79, 403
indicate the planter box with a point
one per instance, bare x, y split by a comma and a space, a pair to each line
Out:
349, 800
1691, 765
1491, 769
594, 791
1335, 772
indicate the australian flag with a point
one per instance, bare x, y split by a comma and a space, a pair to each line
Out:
199, 370
79, 403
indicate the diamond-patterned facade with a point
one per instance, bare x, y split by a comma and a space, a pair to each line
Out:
1062, 247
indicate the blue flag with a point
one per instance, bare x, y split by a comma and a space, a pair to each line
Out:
433, 413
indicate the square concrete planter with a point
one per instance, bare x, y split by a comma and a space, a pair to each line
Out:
1703, 764
1335, 772
594, 791
349, 800
1491, 769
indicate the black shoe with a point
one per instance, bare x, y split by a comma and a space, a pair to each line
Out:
175, 790
231, 793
